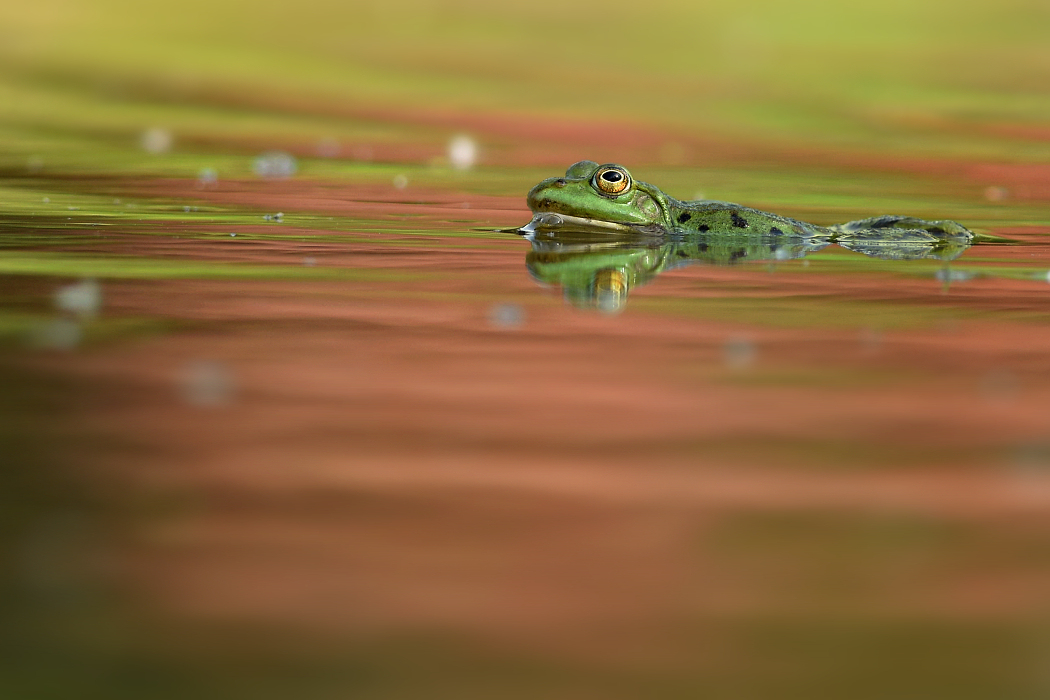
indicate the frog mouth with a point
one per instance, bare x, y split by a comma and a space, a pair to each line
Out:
554, 220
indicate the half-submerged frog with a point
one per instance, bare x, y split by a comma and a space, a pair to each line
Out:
607, 197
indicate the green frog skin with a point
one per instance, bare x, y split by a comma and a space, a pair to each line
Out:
607, 197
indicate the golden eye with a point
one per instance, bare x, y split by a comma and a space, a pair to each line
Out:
611, 180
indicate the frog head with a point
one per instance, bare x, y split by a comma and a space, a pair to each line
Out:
604, 194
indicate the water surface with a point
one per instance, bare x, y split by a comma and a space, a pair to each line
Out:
290, 411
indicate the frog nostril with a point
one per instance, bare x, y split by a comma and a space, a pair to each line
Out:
560, 182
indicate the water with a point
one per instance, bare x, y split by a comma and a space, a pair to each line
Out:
289, 409
432, 471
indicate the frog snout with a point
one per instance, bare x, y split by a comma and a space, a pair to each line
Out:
538, 196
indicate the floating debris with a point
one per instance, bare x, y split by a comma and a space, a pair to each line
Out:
506, 315
948, 275
156, 140
83, 299
207, 384
462, 152
275, 165
207, 177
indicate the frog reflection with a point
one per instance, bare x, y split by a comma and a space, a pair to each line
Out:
598, 269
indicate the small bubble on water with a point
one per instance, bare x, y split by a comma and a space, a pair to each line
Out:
73, 208
186, 208
206, 384
739, 352
462, 152
232, 234
949, 275
400, 181
207, 176
56, 334
309, 261
328, 147
34, 164
275, 165
47, 200
82, 299
279, 216
996, 194
506, 315
116, 201
156, 140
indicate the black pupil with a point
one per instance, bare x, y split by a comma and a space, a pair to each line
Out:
612, 176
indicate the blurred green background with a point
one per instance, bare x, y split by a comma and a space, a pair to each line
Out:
963, 79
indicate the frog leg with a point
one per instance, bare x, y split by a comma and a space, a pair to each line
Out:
937, 230
903, 237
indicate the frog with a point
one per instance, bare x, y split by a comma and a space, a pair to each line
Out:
606, 197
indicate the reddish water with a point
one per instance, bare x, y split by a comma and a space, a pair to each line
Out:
399, 433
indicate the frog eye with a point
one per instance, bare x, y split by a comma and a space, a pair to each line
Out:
612, 180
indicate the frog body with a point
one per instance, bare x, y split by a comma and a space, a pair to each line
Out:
607, 197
